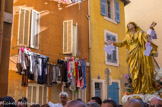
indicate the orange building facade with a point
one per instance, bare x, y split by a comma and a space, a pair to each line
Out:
54, 20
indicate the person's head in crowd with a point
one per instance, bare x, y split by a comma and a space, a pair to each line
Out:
79, 99
8, 102
1, 102
109, 103
93, 104
35, 105
156, 102
22, 102
63, 97
134, 103
76, 103
45, 105
96, 99
120, 105
146, 104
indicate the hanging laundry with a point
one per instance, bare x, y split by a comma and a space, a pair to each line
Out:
49, 75
56, 74
42, 68
84, 73
63, 69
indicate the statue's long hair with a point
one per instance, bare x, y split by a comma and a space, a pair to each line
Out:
136, 27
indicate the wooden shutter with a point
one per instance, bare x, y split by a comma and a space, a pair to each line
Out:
113, 92
67, 37
103, 7
24, 27
29, 93
117, 11
45, 95
75, 40
42, 95
34, 97
35, 25
114, 55
40, 98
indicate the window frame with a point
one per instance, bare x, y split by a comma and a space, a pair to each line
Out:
103, 91
37, 92
31, 29
117, 54
112, 11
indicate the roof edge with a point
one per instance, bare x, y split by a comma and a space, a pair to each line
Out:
126, 2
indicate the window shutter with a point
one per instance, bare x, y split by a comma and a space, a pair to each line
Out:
45, 95
35, 24
67, 37
40, 94
24, 27
103, 7
117, 11
114, 60
34, 97
37, 94
75, 40
29, 91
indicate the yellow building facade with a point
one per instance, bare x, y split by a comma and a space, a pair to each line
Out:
107, 22
144, 12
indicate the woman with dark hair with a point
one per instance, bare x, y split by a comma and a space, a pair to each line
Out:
22, 102
8, 102
141, 66
96, 99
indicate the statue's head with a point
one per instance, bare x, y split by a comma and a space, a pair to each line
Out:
132, 25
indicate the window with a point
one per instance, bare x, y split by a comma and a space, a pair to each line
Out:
81, 93
113, 58
99, 88
110, 9
37, 94
70, 38
29, 28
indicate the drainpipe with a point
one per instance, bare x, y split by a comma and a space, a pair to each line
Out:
1, 25
89, 47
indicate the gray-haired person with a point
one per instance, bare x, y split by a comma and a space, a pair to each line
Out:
76, 103
63, 99
134, 103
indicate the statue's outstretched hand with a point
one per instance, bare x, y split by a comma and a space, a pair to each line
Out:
108, 42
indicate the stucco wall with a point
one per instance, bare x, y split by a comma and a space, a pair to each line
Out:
98, 24
50, 38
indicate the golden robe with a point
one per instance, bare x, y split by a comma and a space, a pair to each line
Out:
141, 67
